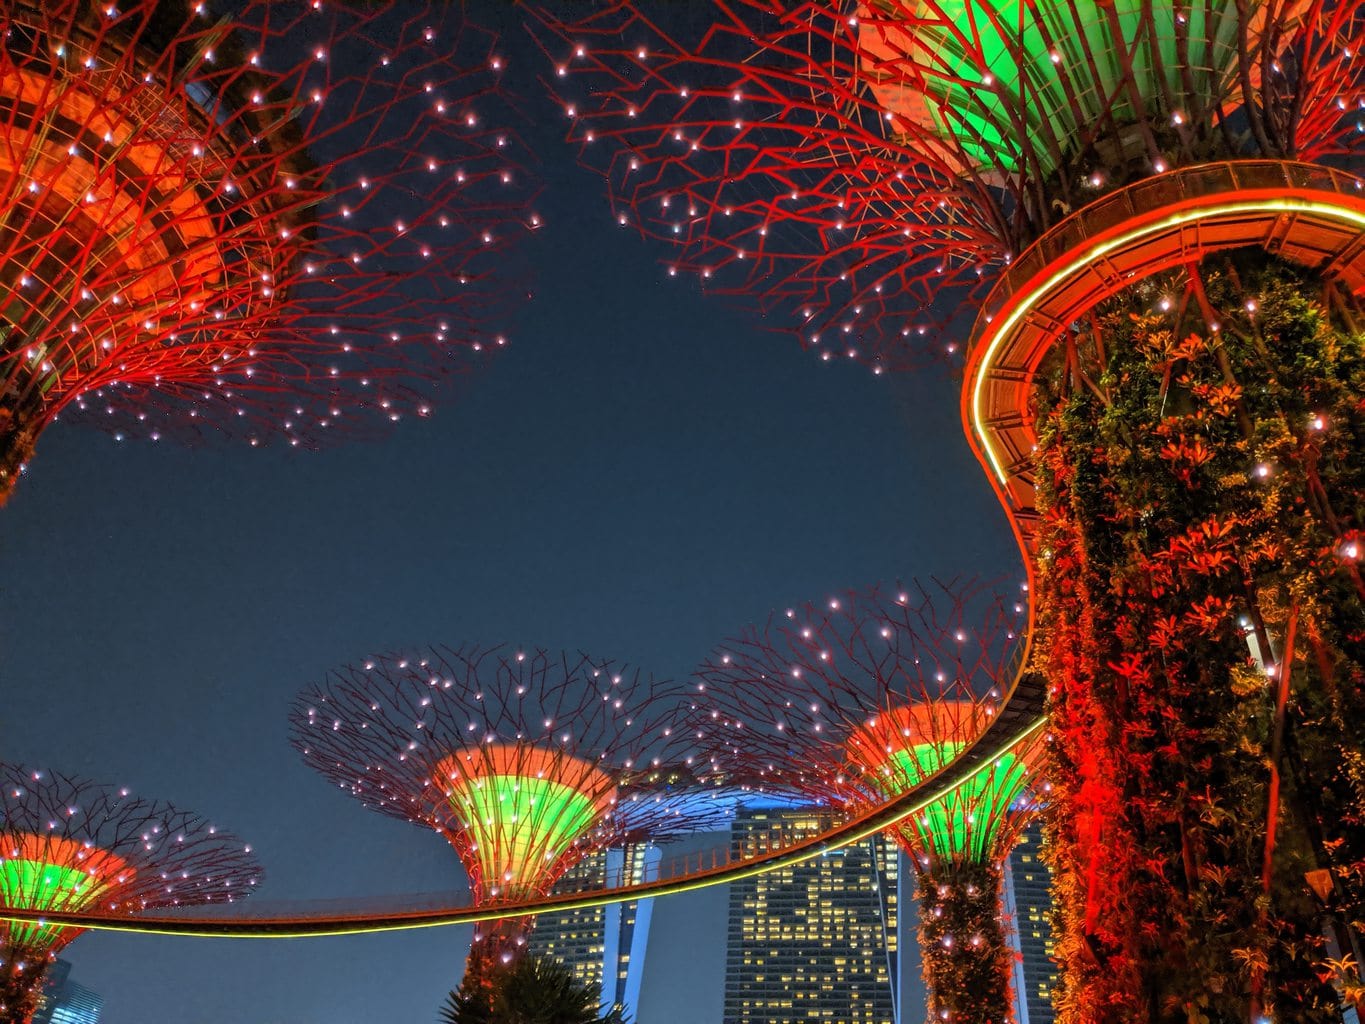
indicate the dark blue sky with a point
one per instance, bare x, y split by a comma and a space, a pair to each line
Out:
640, 473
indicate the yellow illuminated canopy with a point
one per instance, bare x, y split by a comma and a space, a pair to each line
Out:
521, 810
53, 873
900, 748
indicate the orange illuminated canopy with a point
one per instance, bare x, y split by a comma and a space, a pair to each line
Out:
902, 746
523, 809
50, 872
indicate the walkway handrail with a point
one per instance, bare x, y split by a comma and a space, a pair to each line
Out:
1020, 716
1157, 192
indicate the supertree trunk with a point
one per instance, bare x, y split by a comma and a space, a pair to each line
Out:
20, 985
962, 943
1201, 625
496, 945
17, 439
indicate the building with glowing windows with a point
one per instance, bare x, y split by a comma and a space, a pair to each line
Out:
603, 945
816, 941
65, 1002
831, 940
1028, 904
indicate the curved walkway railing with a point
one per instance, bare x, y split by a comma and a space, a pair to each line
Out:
1311, 213
1163, 192
1020, 716
1306, 213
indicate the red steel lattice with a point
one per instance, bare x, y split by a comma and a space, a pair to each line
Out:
273, 223
67, 844
865, 169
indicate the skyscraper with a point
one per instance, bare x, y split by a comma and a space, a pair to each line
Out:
78, 1005
603, 945
65, 1002
816, 941
53, 985
1028, 902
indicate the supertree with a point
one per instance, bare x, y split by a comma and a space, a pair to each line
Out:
856, 701
524, 761
1142, 207
269, 221
67, 844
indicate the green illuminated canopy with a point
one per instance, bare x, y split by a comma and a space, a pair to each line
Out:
53, 873
520, 811
901, 748
1001, 77
966, 823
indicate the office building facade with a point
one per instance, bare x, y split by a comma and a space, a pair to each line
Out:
64, 1002
816, 941
1028, 904
603, 945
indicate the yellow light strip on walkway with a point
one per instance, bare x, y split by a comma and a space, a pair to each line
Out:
1177, 220
843, 836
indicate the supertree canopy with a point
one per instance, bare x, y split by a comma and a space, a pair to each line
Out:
270, 220
866, 167
859, 700
525, 761
903, 746
71, 845
1008, 91
1134, 220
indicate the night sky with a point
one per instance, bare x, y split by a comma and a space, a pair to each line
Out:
643, 471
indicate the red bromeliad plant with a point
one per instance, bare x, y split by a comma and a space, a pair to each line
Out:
857, 701
1202, 629
276, 221
1170, 413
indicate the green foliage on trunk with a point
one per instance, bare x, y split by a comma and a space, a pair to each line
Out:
1202, 490
962, 943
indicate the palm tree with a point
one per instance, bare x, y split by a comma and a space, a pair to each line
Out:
528, 991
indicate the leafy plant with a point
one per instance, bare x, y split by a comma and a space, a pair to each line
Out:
530, 990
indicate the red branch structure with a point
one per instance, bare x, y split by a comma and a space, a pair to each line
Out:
271, 223
71, 845
865, 168
1134, 219
854, 702
524, 760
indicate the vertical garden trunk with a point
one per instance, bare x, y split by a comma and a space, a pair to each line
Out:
962, 943
496, 945
19, 428
1200, 481
21, 983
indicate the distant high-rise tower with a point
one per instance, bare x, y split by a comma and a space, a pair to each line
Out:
817, 941
65, 1002
53, 985
603, 945
1028, 902
78, 1005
